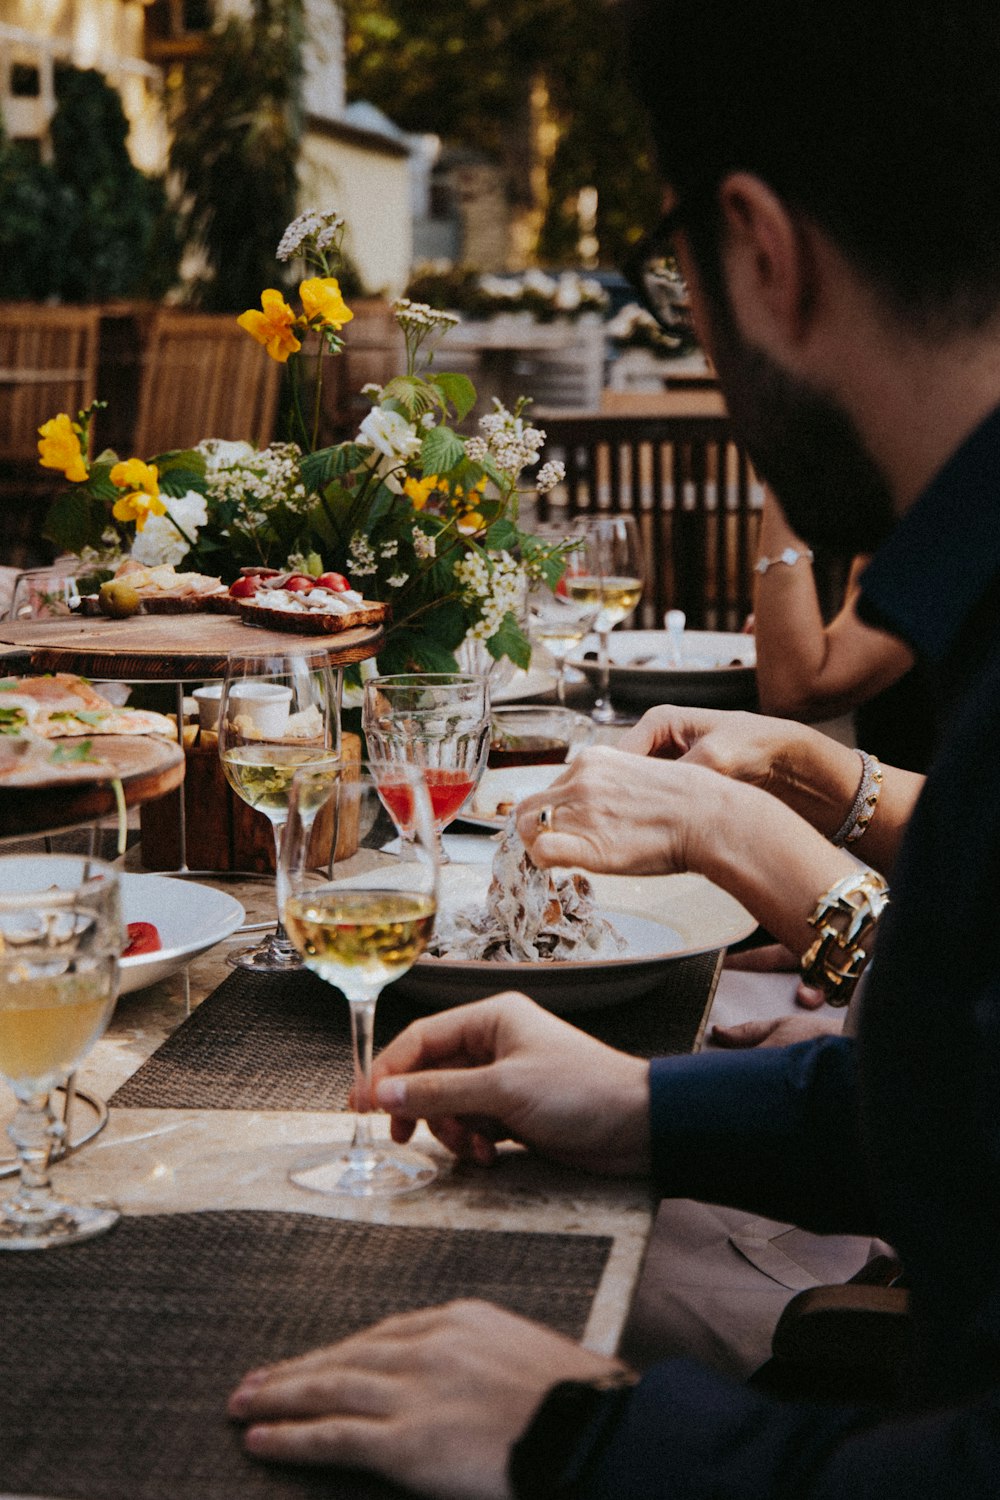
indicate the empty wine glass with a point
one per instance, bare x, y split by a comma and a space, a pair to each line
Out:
61, 935
278, 711
360, 917
437, 721
560, 617
618, 548
45, 593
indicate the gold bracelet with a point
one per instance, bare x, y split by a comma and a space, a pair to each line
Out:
845, 919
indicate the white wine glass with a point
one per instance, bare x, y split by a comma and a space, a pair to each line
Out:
437, 721
278, 711
559, 618
360, 914
620, 572
61, 936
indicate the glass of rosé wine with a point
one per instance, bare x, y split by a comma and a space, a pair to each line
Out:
438, 722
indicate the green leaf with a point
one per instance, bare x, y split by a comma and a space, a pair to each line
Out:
319, 468
502, 535
441, 451
75, 520
510, 640
409, 395
458, 389
188, 459
177, 482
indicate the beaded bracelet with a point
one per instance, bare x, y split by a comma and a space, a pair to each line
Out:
864, 804
845, 919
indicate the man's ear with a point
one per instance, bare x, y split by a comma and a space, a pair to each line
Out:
770, 267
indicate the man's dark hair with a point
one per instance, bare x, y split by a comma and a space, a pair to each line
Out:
878, 119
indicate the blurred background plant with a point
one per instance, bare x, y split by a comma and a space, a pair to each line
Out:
87, 226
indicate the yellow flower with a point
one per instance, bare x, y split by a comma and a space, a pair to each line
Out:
470, 523
142, 481
272, 327
420, 490
321, 299
60, 447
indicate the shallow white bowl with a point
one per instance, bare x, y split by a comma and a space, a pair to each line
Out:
191, 918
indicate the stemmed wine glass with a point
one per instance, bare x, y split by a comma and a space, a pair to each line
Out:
278, 711
618, 548
560, 617
360, 917
61, 935
437, 721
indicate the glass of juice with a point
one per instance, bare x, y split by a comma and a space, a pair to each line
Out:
61, 936
438, 722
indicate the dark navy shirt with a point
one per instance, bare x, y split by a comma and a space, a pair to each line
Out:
897, 1135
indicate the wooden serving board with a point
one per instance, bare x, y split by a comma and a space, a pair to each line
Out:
147, 766
170, 648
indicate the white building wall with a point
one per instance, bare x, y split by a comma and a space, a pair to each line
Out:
372, 191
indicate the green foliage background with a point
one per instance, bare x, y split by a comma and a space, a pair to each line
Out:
89, 226
235, 113
465, 69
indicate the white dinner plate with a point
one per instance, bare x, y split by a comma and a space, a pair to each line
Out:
190, 918
717, 669
507, 785
663, 918
538, 680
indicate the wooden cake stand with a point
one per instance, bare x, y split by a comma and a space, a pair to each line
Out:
147, 767
170, 648
163, 648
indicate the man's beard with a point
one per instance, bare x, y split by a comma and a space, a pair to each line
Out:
803, 445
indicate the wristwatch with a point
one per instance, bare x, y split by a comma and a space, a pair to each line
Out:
789, 557
567, 1436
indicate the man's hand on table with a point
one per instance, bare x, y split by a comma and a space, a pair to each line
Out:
433, 1399
505, 1069
775, 1031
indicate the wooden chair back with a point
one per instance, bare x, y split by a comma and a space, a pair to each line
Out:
695, 496
203, 377
48, 364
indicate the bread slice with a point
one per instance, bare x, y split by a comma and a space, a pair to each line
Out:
312, 621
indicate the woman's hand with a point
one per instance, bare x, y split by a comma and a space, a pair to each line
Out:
615, 813
433, 1399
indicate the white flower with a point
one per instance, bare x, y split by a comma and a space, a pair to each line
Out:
219, 454
476, 449
390, 433
423, 545
389, 549
160, 541
397, 580
495, 586
549, 475
361, 558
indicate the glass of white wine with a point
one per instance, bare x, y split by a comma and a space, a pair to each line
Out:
61, 935
360, 917
618, 581
558, 617
278, 711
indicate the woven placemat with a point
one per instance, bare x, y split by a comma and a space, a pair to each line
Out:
118, 1355
259, 1042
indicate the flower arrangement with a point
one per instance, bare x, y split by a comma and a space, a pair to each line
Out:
415, 514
